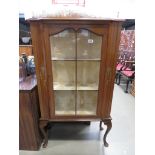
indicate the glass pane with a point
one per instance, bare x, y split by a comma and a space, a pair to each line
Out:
63, 45
87, 102
64, 75
63, 51
65, 102
88, 45
88, 75
88, 68
75, 66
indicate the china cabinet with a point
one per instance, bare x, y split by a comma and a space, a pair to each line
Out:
75, 66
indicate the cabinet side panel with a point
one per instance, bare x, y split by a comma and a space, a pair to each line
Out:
46, 42
36, 115
101, 95
40, 68
114, 60
27, 138
112, 52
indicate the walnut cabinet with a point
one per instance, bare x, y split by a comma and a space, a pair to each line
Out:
75, 66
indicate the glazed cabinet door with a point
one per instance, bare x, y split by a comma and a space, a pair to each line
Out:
63, 61
75, 64
88, 61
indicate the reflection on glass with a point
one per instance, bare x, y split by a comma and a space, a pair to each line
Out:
64, 75
87, 102
88, 45
88, 75
63, 45
64, 102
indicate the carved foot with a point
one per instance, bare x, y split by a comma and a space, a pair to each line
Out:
43, 128
101, 128
45, 144
109, 126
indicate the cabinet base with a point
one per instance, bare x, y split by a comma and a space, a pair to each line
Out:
44, 126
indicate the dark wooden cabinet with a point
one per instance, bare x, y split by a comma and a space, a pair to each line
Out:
29, 114
75, 66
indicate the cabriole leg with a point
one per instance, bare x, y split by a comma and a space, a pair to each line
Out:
109, 126
43, 128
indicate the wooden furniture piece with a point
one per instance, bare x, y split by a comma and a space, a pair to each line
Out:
75, 66
29, 114
27, 49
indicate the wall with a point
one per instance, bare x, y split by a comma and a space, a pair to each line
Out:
100, 8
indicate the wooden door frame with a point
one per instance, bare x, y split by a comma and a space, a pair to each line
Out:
51, 29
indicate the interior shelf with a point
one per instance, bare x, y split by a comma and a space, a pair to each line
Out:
63, 87
85, 59
88, 87
86, 112
72, 87
65, 112
62, 59
78, 59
